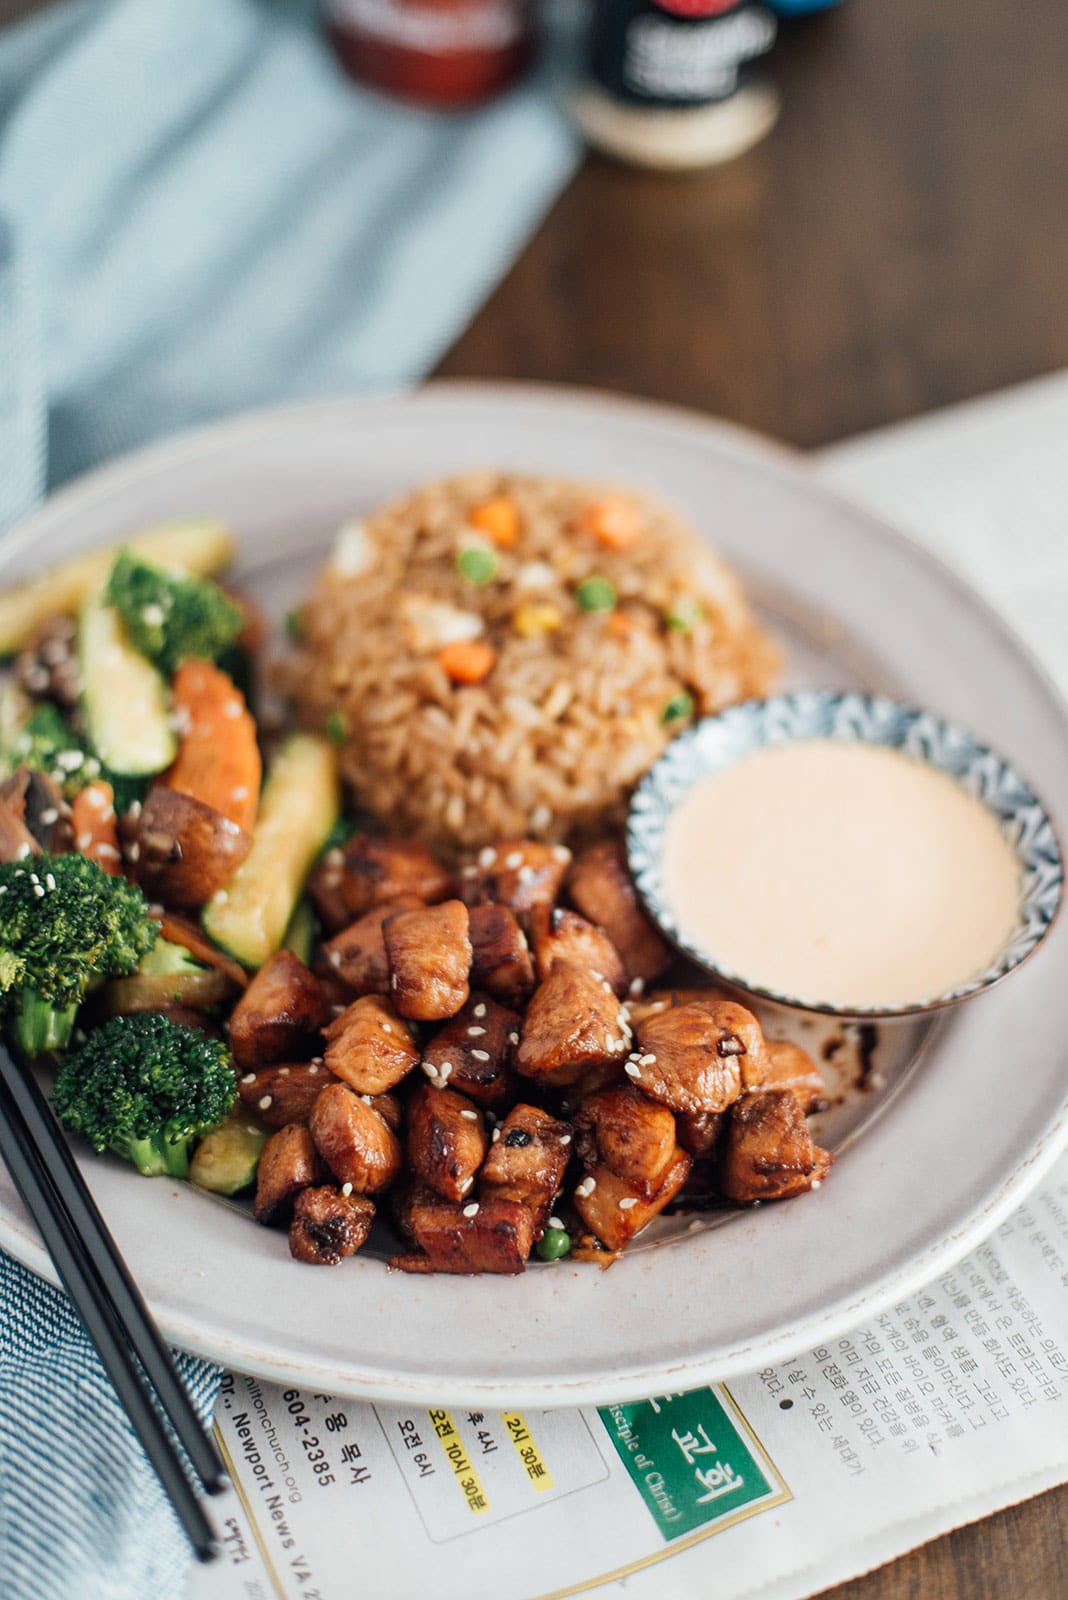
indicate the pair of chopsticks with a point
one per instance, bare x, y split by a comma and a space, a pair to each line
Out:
92, 1271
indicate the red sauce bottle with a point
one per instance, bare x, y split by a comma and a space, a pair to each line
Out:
436, 52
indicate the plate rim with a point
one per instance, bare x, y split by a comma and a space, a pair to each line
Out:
762, 454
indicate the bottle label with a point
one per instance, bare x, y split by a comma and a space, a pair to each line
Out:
434, 27
677, 52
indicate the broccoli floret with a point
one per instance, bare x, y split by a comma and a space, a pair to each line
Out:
65, 925
170, 618
46, 742
146, 1088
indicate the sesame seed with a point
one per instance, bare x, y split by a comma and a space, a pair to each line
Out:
554, 1222
647, 1060
22, 852
514, 859
487, 857
335, 1011
480, 1009
240, 793
313, 1066
513, 1038
134, 811
471, 1210
108, 850
49, 815
610, 1043
606, 986
444, 1070
472, 1116
565, 1138
38, 891
625, 1205
561, 852
475, 1033
134, 853
480, 1055
816, 1183
387, 1027
70, 760
84, 840
283, 1072
632, 1069
250, 1077
527, 875
232, 708
465, 1186
220, 897
266, 1102
366, 1098
228, 826
496, 1135
394, 982
316, 1062
637, 986
346, 1189
335, 958
586, 1187
335, 858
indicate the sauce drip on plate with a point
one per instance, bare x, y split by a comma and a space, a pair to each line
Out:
846, 874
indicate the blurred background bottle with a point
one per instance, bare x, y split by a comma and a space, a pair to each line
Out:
668, 82
436, 52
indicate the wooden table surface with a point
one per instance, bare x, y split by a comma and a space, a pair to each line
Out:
899, 243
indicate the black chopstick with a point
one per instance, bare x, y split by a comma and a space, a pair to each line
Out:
43, 1194
131, 1311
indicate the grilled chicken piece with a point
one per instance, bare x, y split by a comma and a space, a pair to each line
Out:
430, 961
47, 667
369, 872
559, 935
280, 1015
403, 1199
769, 1151
482, 1236
599, 886
790, 1067
354, 1141
446, 1140
183, 850
615, 1210
289, 1162
327, 1226
370, 1046
649, 1004
282, 1095
574, 1022
500, 955
388, 1108
357, 955
519, 873
527, 1161
700, 1132
629, 1134
692, 1058
473, 1053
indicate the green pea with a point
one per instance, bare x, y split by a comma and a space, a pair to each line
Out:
678, 707
596, 594
477, 564
337, 729
554, 1244
684, 615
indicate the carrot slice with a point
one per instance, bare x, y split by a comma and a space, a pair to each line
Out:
218, 758
612, 522
179, 930
498, 518
96, 834
467, 660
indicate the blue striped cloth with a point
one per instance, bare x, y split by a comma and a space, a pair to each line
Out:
198, 213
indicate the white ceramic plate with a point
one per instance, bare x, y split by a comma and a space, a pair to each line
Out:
970, 1110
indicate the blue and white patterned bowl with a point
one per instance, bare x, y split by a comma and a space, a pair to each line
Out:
718, 742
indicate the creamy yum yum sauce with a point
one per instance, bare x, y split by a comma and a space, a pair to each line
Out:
846, 874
